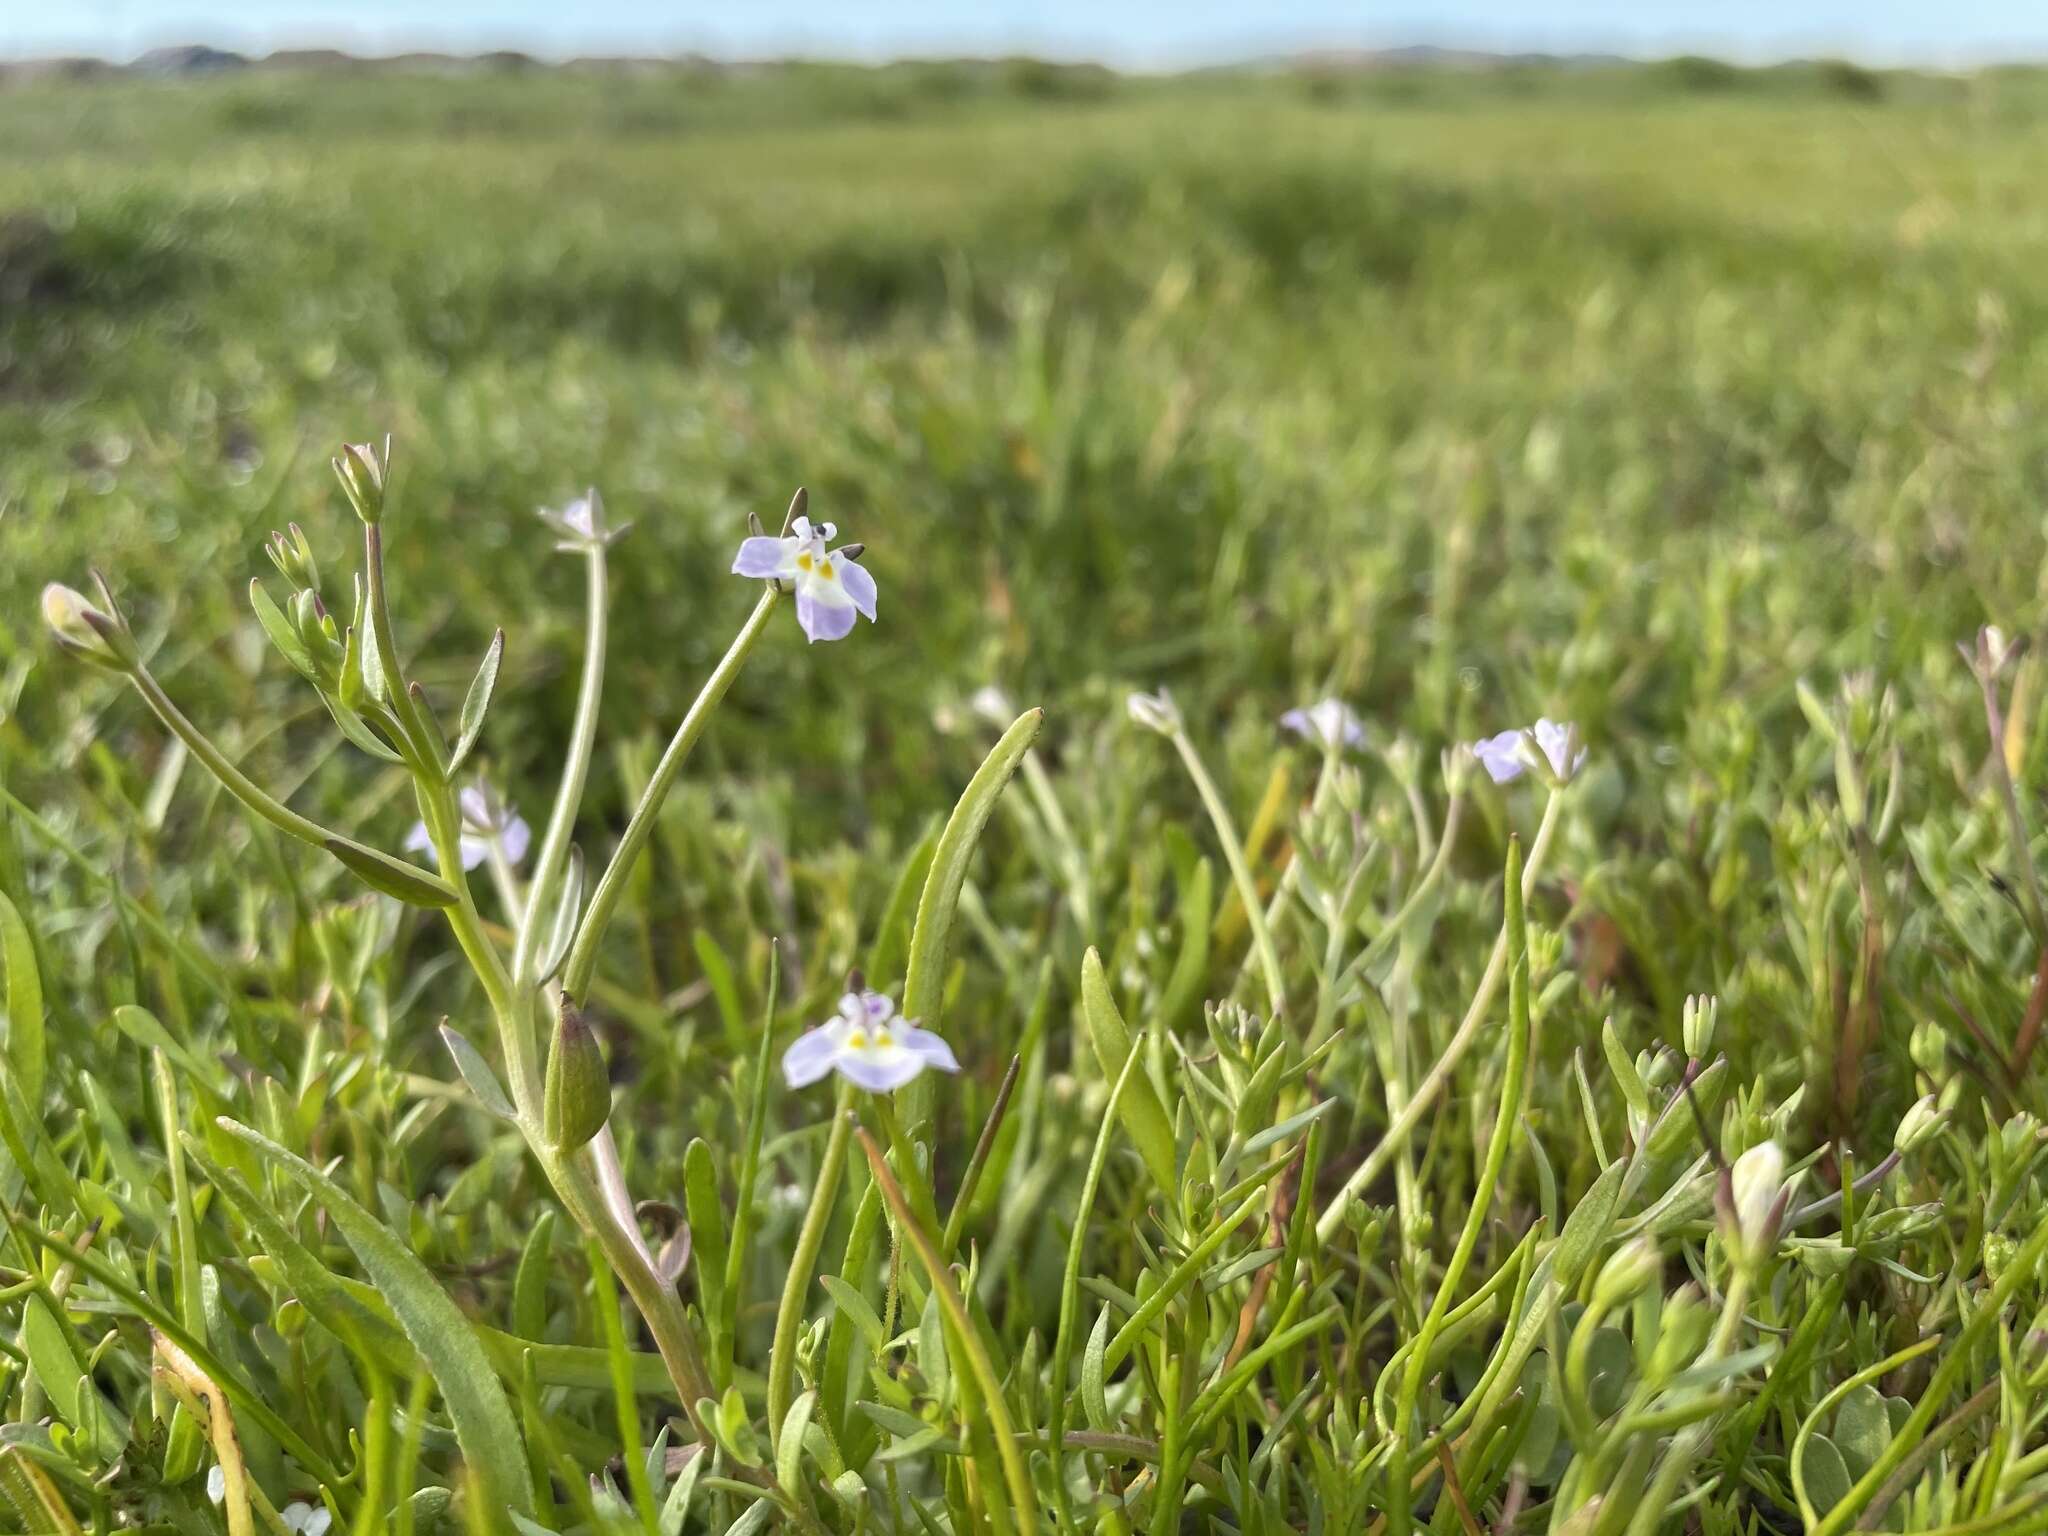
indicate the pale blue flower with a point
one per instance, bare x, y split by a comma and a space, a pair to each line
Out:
485, 820
1507, 757
866, 1044
1329, 725
831, 587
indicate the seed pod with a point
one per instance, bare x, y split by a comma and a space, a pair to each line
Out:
578, 1095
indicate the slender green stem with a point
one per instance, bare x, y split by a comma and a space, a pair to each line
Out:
583, 953
1439, 1075
554, 843
232, 779
426, 744
1024, 1502
443, 817
654, 1296
789, 1315
624, 1403
1233, 851
1070, 1292
1515, 938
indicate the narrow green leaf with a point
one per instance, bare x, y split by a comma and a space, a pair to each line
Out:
280, 630
924, 976
143, 1027
393, 877
46, 1340
530, 1280
25, 1044
562, 929
353, 727
855, 1306
1094, 1398
789, 1453
675, 1509
1287, 1128
1139, 1107
1626, 1077
361, 1322
484, 1425
708, 1240
181, 1456
476, 1072
477, 704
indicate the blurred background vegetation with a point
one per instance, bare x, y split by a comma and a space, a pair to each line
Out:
1625, 394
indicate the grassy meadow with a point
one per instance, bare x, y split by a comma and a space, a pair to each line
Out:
1694, 406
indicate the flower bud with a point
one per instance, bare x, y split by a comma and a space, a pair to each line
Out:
1628, 1269
1918, 1126
362, 470
1682, 1328
1993, 651
93, 634
1697, 1030
1457, 764
1824, 1258
1752, 1205
577, 1099
293, 557
1155, 711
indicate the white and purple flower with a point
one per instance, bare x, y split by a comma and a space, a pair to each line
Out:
486, 820
1331, 725
581, 523
831, 586
1509, 755
866, 1044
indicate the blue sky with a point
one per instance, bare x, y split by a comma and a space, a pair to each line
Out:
1134, 33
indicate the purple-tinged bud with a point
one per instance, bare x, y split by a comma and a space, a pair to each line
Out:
363, 471
93, 633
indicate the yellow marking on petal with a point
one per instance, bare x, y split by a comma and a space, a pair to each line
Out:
883, 1039
825, 570
858, 1040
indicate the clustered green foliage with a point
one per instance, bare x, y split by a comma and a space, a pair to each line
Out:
1339, 1145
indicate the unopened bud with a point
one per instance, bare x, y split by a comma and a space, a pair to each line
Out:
1697, 1030
1682, 1327
578, 1095
362, 470
1155, 711
1918, 1126
293, 557
91, 633
1753, 1205
1628, 1269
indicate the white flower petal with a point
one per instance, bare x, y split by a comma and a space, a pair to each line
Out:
879, 1071
823, 621
811, 1055
764, 557
860, 587
1501, 756
928, 1047
216, 1482
515, 838
419, 840
474, 849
